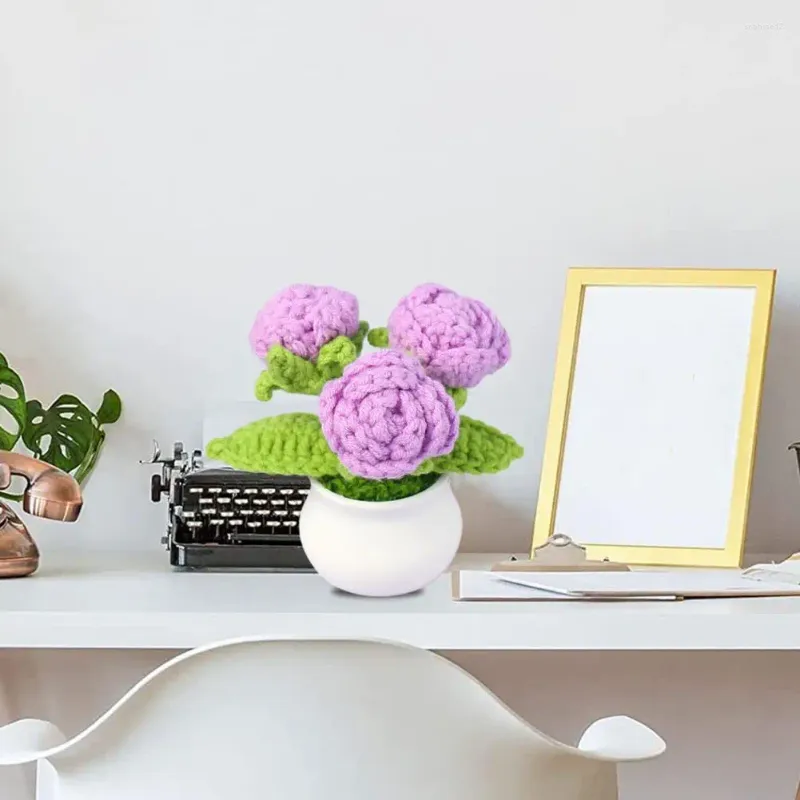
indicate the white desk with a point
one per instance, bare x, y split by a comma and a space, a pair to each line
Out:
137, 601
83, 629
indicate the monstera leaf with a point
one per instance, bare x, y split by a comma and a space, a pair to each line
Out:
69, 435
12, 399
479, 449
110, 408
62, 434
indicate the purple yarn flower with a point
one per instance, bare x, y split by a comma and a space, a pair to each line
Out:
458, 340
302, 318
385, 416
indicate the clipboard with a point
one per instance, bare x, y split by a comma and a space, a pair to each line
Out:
559, 554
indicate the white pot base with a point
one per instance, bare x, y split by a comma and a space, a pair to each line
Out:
381, 549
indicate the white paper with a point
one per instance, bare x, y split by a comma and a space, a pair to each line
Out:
677, 583
487, 585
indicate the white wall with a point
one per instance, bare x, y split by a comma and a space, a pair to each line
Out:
165, 165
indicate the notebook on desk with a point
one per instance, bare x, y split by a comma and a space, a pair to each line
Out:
620, 586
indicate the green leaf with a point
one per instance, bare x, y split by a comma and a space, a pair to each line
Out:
110, 409
12, 399
61, 435
480, 448
335, 356
379, 491
287, 444
378, 337
459, 396
359, 336
289, 372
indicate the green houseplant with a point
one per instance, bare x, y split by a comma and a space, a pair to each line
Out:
66, 434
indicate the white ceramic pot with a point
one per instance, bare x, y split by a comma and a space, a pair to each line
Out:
381, 549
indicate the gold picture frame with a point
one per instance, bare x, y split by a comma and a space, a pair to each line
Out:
579, 280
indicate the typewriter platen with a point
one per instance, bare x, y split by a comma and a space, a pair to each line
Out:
222, 518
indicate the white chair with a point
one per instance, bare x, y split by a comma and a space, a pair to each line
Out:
324, 720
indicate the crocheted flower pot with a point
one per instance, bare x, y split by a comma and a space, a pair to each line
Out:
381, 549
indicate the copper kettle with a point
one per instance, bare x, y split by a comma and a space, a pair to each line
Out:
49, 493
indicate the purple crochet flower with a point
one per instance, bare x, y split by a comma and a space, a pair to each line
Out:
385, 416
458, 340
303, 318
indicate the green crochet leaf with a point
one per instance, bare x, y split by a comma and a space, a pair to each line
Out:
334, 357
379, 491
378, 337
287, 444
297, 375
359, 336
480, 448
459, 396
289, 372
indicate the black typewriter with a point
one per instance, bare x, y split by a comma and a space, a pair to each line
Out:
223, 518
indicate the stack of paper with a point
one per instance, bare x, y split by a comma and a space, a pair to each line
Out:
634, 585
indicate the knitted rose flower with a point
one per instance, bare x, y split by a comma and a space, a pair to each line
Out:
302, 318
458, 340
385, 416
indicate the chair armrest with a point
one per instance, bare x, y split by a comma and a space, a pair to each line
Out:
621, 739
28, 740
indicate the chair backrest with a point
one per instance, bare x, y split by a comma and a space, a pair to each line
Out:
296, 720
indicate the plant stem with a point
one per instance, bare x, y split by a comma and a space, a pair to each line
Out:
87, 465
